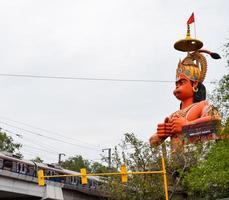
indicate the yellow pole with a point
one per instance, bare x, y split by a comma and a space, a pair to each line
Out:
165, 179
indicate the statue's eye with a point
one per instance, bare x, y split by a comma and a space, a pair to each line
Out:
182, 82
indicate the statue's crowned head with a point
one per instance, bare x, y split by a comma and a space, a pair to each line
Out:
193, 67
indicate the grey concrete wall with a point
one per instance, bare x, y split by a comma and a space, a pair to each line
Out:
14, 184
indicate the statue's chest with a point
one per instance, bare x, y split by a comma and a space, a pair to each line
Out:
190, 113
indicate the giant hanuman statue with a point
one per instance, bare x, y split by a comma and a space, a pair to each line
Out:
189, 90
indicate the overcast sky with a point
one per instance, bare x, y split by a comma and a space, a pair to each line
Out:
103, 39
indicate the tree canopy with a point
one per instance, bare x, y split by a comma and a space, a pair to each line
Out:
137, 156
37, 159
75, 163
7, 144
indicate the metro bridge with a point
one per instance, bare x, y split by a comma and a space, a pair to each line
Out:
20, 186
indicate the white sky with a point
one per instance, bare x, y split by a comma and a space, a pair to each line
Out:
121, 39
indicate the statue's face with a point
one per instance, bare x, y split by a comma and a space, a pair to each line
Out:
183, 89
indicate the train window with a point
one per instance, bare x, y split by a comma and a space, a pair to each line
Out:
18, 167
35, 170
31, 170
72, 179
7, 165
67, 180
22, 168
89, 183
48, 173
1, 163
14, 167
75, 180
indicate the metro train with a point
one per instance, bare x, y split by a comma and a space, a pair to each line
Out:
15, 164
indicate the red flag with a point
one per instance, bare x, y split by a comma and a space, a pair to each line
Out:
191, 19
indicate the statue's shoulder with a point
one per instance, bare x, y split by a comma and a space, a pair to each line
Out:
209, 110
202, 104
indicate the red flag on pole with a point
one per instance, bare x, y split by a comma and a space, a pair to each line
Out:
191, 19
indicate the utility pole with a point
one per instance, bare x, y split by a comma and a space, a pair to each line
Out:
60, 154
109, 156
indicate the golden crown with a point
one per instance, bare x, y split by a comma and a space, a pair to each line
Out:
193, 66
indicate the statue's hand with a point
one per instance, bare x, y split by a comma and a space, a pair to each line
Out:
163, 131
177, 122
154, 140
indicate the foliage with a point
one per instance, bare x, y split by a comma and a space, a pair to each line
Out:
180, 162
137, 156
210, 179
75, 163
38, 160
97, 167
220, 97
7, 144
226, 50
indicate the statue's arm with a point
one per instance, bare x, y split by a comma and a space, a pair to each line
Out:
203, 119
208, 113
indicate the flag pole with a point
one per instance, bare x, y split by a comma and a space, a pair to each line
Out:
195, 29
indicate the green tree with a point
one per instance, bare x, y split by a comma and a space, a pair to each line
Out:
220, 97
7, 144
137, 156
75, 163
210, 179
97, 167
37, 159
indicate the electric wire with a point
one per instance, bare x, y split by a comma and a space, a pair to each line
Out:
48, 131
21, 136
33, 148
31, 154
42, 149
51, 138
34, 152
26, 145
90, 79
